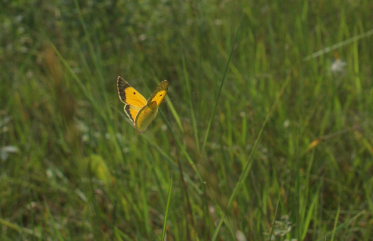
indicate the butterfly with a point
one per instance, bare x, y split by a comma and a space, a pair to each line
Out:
140, 111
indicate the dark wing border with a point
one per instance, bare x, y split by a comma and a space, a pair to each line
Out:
121, 86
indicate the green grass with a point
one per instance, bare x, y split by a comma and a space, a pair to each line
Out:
259, 138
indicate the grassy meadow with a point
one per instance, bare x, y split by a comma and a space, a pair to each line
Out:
266, 132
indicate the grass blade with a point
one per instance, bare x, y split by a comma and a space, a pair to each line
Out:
170, 190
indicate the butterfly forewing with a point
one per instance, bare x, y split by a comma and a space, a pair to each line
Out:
129, 95
160, 93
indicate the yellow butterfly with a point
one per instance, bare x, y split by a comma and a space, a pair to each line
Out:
140, 111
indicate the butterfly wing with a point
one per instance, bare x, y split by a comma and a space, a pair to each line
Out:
133, 100
131, 112
146, 115
160, 93
129, 95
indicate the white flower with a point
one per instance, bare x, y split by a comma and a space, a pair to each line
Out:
240, 236
338, 66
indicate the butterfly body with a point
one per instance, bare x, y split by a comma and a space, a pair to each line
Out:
140, 111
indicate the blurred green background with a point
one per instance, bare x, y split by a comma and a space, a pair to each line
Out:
266, 134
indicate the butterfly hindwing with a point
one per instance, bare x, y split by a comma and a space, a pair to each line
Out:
131, 112
146, 115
